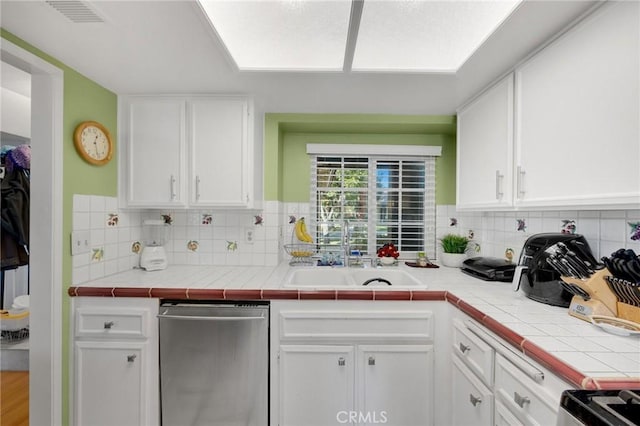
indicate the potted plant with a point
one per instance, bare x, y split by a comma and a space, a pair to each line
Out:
455, 248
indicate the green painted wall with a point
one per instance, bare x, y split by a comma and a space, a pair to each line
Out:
83, 100
287, 173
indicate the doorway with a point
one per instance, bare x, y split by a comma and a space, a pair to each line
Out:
45, 275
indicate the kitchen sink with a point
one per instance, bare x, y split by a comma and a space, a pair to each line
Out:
377, 277
349, 277
318, 277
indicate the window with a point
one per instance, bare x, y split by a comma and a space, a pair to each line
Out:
383, 199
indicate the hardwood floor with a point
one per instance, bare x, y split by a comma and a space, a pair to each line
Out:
14, 398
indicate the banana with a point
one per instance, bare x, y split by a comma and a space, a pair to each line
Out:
301, 231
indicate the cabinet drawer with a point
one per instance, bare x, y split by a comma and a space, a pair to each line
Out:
94, 322
350, 325
475, 353
524, 398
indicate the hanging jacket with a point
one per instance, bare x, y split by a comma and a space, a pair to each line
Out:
14, 219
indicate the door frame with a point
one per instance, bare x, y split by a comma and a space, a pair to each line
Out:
45, 300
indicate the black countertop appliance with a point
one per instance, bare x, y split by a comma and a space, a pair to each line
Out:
537, 279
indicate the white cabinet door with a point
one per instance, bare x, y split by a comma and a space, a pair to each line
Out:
316, 384
578, 115
472, 401
395, 384
109, 384
220, 169
504, 416
485, 149
156, 154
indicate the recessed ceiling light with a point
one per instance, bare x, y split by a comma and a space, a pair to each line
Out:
282, 34
388, 35
425, 35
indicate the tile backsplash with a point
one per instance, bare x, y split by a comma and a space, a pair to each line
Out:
605, 230
220, 237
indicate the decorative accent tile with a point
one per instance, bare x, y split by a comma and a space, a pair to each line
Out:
136, 247
292, 219
634, 234
258, 219
521, 225
568, 226
112, 219
193, 245
508, 254
167, 218
207, 219
232, 245
453, 221
97, 254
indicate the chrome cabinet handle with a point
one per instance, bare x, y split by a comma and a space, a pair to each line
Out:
131, 358
499, 180
197, 188
173, 187
372, 360
341, 361
475, 400
520, 182
520, 400
464, 348
108, 325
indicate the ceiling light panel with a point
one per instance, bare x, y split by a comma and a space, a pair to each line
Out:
282, 34
425, 35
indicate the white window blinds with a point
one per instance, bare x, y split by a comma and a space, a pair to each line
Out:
383, 199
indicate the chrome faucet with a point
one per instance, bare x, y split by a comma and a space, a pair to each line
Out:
346, 236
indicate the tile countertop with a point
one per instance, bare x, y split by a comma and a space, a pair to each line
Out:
574, 349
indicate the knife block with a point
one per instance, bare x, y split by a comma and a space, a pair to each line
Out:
584, 309
629, 312
600, 293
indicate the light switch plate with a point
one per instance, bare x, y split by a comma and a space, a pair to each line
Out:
249, 235
80, 242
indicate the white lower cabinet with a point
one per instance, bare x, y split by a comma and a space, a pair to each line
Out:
472, 401
336, 365
523, 397
494, 384
115, 357
109, 383
316, 384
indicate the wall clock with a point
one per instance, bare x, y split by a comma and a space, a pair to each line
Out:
93, 142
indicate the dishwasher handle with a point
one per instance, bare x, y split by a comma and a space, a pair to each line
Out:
207, 318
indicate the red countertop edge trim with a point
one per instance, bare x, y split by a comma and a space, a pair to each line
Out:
528, 348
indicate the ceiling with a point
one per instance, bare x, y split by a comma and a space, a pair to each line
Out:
163, 46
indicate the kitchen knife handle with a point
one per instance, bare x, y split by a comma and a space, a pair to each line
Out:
499, 181
520, 182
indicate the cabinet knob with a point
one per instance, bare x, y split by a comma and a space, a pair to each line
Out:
520, 182
108, 325
475, 400
197, 188
499, 179
131, 358
520, 400
372, 360
464, 348
341, 361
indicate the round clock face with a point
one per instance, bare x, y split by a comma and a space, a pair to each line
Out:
93, 143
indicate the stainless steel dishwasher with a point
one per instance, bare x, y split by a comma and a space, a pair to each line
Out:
214, 364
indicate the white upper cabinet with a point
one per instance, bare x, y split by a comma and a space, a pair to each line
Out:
568, 133
219, 152
577, 125
186, 151
156, 153
484, 149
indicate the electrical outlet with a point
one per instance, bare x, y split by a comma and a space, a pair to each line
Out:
80, 242
249, 235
